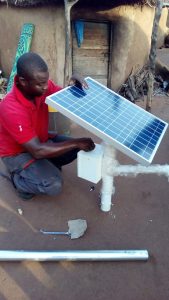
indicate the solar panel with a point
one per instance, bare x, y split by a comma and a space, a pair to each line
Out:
129, 128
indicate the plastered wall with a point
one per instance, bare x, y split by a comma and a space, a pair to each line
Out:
163, 27
48, 39
132, 28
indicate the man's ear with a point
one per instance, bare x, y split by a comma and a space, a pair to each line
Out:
21, 80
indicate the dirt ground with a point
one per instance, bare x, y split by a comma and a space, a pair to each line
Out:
139, 219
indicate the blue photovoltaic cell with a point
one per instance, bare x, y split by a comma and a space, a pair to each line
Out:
112, 117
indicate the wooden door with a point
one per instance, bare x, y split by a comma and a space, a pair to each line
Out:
92, 57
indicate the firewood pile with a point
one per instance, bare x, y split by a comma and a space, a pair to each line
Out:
3, 86
135, 88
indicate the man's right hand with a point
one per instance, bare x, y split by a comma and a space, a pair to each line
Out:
85, 144
44, 150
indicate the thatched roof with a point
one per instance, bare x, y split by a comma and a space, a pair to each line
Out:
110, 3
28, 3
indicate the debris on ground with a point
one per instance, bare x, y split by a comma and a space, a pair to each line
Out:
20, 211
92, 188
3, 86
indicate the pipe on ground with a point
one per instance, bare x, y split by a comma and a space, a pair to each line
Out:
77, 255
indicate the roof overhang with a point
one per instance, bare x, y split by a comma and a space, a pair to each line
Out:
109, 3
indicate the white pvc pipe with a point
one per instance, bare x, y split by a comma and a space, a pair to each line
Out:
78, 255
112, 168
129, 170
108, 189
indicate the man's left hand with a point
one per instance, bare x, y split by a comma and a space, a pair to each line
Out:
78, 81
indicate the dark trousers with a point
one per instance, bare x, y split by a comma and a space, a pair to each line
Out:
43, 176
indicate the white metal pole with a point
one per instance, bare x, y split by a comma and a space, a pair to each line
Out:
78, 255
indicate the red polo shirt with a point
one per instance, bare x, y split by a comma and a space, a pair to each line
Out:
21, 120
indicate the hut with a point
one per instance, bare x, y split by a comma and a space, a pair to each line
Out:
106, 38
115, 35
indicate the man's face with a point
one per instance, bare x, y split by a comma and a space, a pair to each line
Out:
36, 85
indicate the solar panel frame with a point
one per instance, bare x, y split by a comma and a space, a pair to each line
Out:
53, 101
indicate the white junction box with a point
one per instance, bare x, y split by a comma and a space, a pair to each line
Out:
89, 164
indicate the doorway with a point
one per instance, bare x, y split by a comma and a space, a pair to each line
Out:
92, 57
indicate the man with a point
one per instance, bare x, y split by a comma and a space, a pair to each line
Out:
33, 157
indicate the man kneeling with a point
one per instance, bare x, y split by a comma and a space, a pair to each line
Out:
33, 157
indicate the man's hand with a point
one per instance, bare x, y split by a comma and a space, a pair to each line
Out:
44, 150
85, 144
78, 81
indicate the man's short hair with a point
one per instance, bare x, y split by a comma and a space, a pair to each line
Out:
28, 63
